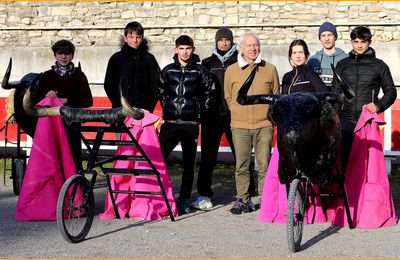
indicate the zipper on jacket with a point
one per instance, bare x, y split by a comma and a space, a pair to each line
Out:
180, 90
357, 85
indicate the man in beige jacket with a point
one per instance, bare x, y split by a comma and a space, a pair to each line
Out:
250, 127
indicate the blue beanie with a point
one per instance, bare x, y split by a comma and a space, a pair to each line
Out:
327, 27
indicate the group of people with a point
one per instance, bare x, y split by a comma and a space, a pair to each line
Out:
193, 94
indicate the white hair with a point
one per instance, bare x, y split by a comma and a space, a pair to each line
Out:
249, 33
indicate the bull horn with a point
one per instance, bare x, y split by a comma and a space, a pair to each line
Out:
135, 113
5, 84
38, 112
347, 90
244, 99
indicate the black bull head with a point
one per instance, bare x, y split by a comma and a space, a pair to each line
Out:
26, 123
308, 129
26, 115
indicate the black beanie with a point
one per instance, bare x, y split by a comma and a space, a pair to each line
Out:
223, 32
327, 27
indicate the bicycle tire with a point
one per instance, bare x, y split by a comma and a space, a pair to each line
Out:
295, 215
75, 209
18, 173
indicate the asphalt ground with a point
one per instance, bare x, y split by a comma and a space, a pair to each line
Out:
200, 234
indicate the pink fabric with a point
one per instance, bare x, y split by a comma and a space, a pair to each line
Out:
50, 164
368, 191
145, 207
274, 198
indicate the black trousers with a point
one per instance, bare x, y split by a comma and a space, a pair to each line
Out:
73, 132
187, 134
347, 140
212, 130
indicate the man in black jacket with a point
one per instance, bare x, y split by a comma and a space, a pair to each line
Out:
136, 69
366, 75
187, 90
217, 122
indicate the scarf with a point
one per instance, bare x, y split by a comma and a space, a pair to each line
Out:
63, 71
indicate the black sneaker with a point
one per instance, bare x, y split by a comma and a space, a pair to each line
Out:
250, 207
238, 208
183, 206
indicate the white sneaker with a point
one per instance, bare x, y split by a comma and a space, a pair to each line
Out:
202, 203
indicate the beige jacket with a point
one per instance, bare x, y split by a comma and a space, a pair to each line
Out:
266, 81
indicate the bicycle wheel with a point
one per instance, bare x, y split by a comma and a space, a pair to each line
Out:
295, 215
18, 173
75, 209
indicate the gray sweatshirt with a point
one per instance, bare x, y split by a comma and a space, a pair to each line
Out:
320, 63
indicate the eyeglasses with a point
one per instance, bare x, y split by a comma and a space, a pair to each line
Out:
63, 54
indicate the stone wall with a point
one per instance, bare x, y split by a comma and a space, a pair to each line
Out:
27, 29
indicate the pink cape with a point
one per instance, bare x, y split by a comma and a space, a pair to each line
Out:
145, 207
368, 191
274, 198
50, 164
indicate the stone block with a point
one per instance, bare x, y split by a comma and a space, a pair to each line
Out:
64, 33
26, 21
96, 33
203, 19
34, 33
391, 5
189, 10
127, 14
214, 11
218, 20
231, 20
374, 8
61, 10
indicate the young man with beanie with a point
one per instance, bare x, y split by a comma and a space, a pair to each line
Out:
187, 90
217, 122
367, 76
135, 69
321, 62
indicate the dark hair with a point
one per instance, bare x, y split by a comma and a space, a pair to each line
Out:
361, 32
63, 47
134, 27
184, 40
298, 42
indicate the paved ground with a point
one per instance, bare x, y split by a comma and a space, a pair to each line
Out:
200, 234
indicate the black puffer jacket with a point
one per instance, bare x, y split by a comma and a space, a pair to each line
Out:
301, 79
141, 77
366, 75
186, 91
217, 67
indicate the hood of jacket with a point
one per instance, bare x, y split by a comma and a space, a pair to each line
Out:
370, 53
338, 52
143, 48
227, 55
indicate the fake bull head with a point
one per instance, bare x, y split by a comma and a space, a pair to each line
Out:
68, 113
308, 129
25, 122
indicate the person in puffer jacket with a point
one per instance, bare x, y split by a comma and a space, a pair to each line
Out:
186, 92
366, 75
